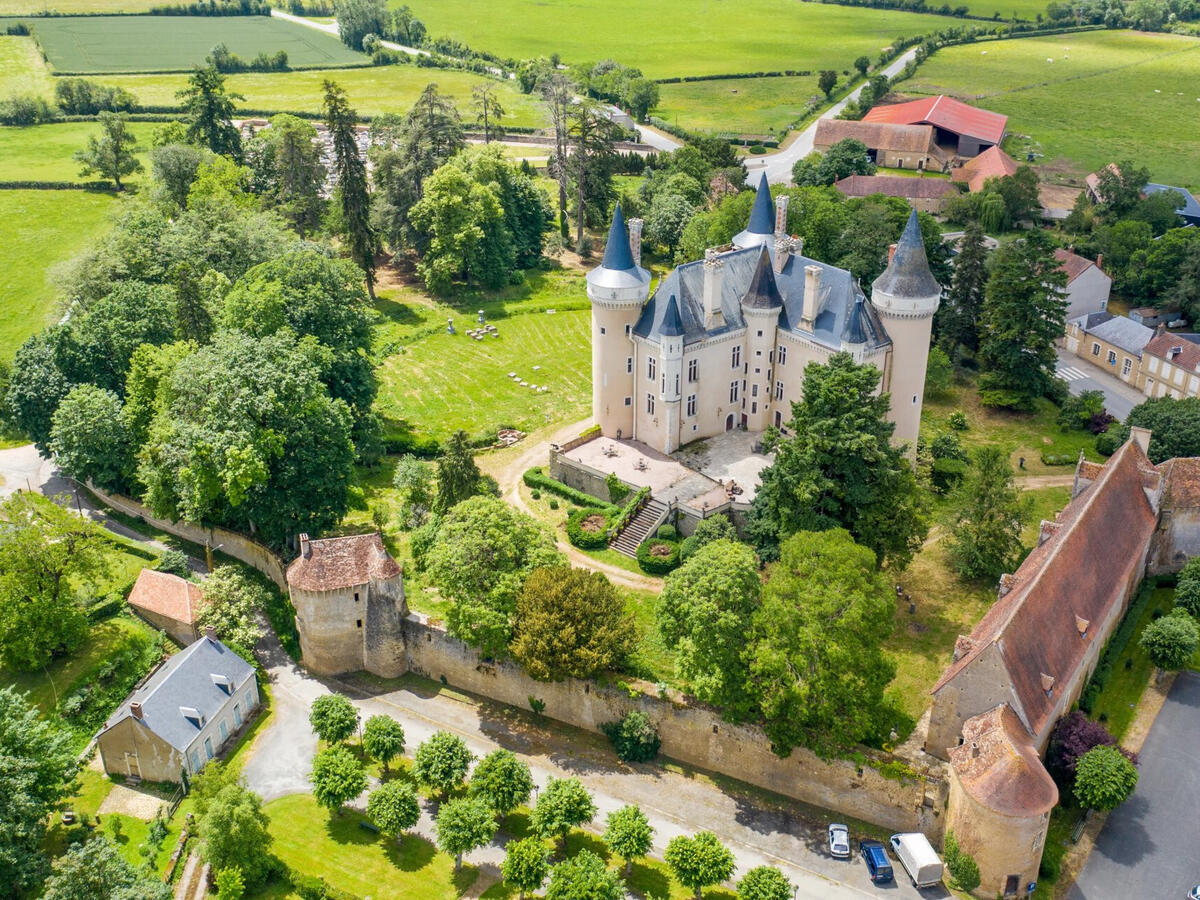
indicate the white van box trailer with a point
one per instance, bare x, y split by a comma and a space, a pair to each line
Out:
918, 857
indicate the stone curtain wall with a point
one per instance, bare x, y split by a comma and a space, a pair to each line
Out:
236, 545
697, 736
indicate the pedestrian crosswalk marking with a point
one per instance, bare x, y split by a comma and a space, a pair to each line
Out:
1070, 373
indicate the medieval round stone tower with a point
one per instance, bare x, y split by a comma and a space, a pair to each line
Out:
617, 288
906, 297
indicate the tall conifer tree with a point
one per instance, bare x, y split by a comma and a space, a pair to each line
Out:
352, 193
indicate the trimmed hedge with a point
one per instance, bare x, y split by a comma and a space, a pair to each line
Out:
580, 536
1116, 646
1059, 459
536, 478
657, 565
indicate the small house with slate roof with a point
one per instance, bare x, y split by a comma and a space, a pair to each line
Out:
722, 342
182, 716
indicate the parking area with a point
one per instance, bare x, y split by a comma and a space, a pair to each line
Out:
1148, 846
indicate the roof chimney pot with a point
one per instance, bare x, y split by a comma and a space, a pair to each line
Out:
305, 546
135, 709
210, 633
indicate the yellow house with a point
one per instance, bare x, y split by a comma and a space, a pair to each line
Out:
1113, 343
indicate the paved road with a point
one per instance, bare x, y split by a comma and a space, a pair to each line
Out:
778, 166
1148, 846
281, 758
332, 28
1119, 398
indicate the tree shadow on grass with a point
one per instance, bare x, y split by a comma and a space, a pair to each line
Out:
647, 881
410, 852
345, 828
581, 840
398, 312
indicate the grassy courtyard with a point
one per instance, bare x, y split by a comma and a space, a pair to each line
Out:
149, 43
54, 226
46, 152
658, 36
741, 105
1084, 100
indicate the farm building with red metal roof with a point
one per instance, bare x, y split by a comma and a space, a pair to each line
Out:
966, 129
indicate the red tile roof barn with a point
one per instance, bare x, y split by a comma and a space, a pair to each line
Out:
1082, 570
167, 595
876, 135
332, 564
991, 163
1072, 263
896, 186
998, 765
945, 113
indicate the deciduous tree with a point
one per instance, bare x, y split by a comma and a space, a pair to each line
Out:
235, 832
95, 869
90, 440
393, 807
628, 834
700, 861
113, 154
1171, 641
462, 826
986, 539
1104, 778
383, 739
584, 877
232, 605
333, 718
562, 805
826, 81
337, 777
764, 883
502, 782
526, 863
441, 762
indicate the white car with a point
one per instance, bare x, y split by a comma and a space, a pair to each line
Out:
839, 841
1194, 893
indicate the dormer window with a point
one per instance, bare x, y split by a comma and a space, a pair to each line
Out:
222, 682
193, 715
1048, 684
1082, 624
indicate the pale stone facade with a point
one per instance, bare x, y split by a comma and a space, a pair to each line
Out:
723, 342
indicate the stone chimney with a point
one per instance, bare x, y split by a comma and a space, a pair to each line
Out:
135, 709
781, 206
635, 240
1141, 437
891, 252
784, 246
305, 546
714, 279
812, 290
1100, 262
210, 633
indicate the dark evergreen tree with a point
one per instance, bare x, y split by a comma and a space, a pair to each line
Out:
209, 111
957, 322
457, 474
350, 171
592, 136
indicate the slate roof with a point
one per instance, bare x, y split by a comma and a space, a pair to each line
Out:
763, 292
946, 113
1190, 209
671, 324
186, 680
336, 563
907, 274
1116, 330
617, 254
762, 215
896, 186
999, 766
991, 163
1072, 263
876, 135
1188, 356
167, 595
1079, 572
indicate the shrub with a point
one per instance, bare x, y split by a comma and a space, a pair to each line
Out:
958, 421
667, 532
687, 547
553, 503
1115, 647
175, 562
947, 473
535, 478
587, 528
1107, 442
617, 489
757, 149
963, 868
658, 557
535, 494
1048, 870
1058, 459
633, 736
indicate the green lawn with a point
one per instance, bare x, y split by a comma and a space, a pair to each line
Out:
1107, 96
372, 91
663, 38
22, 69
148, 43
741, 105
54, 226
312, 840
436, 382
45, 152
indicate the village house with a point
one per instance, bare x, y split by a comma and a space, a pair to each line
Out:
1114, 343
1171, 365
1088, 285
928, 195
991, 163
168, 603
182, 716
722, 342
1188, 208
959, 129
893, 146
349, 598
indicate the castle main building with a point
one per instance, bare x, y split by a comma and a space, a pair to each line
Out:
723, 341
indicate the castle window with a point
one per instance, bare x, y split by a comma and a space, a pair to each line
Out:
779, 390
1112, 357
754, 390
760, 335
754, 407
1095, 349
1126, 366
677, 383
737, 357
691, 404
650, 404
356, 596
629, 365
651, 367
733, 391
629, 401
359, 623
782, 355
771, 357
628, 330
693, 370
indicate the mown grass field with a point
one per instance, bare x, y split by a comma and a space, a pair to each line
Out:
175, 43
1107, 96
46, 228
372, 91
663, 38
743, 105
45, 152
438, 382
22, 69
32, 7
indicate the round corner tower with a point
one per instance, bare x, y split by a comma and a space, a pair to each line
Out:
617, 289
906, 296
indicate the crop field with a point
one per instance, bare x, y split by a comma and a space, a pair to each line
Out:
372, 91
176, 43
668, 37
75, 7
45, 152
48, 227
22, 69
742, 105
436, 382
1087, 99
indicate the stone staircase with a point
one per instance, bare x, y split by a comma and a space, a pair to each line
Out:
640, 527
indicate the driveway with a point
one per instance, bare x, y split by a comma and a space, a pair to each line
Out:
778, 166
757, 831
1080, 375
1148, 846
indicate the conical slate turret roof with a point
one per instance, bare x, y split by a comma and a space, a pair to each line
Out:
617, 254
672, 324
761, 230
908, 275
763, 292
617, 270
